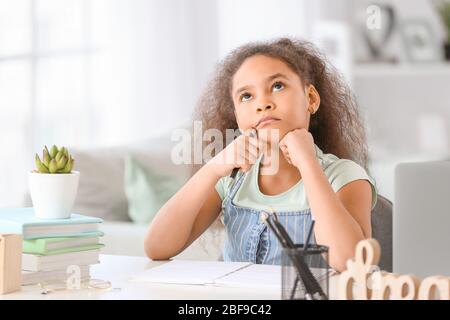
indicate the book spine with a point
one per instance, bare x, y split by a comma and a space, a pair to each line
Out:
31, 263
34, 246
64, 235
73, 249
36, 263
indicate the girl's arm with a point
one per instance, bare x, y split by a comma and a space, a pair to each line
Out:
342, 218
197, 204
185, 216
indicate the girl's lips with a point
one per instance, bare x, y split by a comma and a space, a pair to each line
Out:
265, 121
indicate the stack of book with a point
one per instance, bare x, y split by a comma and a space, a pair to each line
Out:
50, 247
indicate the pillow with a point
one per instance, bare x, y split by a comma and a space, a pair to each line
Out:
147, 189
100, 192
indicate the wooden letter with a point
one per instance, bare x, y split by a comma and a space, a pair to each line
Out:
429, 285
390, 286
353, 282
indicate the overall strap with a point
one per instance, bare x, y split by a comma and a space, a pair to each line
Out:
234, 187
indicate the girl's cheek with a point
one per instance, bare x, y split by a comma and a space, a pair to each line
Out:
244, 121
245, 115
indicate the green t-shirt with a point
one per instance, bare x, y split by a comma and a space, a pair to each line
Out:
338, 171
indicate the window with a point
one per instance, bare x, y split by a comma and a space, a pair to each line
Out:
46, 55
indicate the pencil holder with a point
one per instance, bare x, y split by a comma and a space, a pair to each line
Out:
305, 274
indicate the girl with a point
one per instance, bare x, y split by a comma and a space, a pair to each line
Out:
283, 86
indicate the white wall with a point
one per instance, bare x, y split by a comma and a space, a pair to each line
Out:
151, 70
244, 21
160, 55
154, 58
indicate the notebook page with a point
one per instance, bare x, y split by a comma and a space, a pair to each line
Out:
254, 276
261, 276
189, 272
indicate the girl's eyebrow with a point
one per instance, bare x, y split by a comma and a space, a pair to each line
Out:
268, 79
276, 75
242, 89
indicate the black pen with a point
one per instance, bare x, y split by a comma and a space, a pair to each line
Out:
316, 289
305, 249
269, 222
300, 265
283, 231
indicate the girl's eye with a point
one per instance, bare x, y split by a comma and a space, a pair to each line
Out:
245, 97
277, 86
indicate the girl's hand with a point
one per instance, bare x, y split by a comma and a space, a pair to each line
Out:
298, 147
241, 153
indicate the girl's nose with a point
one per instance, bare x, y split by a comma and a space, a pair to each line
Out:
265, 108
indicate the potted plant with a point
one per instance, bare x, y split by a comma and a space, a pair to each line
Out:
53, 185
443, 8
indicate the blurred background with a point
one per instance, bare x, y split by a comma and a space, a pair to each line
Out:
93, 74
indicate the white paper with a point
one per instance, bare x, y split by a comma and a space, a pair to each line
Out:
254, 276
218, 273
189, 272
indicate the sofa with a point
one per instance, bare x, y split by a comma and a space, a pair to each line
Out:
101, 193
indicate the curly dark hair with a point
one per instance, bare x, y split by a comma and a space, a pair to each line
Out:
336, 127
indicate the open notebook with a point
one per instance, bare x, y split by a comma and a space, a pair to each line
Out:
217, 273
189, 272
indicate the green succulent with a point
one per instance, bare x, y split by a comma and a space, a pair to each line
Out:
54, 161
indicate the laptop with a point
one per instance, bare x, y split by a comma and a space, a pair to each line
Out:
421, 219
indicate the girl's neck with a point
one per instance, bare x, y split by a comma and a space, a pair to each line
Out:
278, 177
281, 165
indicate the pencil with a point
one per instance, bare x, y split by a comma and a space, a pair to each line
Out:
305, 249
311, 281
287, 243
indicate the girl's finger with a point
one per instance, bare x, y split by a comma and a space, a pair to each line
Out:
245, 167
251, 158
250, 132
247, 158
286, 155
246, 147
283, 146
253, 150
284, 149
252, 140
288, 159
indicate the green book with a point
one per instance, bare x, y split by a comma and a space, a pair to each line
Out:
52, 246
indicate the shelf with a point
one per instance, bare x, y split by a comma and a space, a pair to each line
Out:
384, 69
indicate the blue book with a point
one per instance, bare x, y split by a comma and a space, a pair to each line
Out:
23, 221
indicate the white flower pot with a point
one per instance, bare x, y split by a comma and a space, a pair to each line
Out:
53, 195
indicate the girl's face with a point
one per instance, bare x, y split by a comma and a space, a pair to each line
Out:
269, 96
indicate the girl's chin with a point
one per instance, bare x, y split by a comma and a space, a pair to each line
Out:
270, 134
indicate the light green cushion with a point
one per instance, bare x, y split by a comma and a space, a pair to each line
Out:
147, 190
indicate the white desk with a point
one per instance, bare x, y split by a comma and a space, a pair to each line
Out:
118, 269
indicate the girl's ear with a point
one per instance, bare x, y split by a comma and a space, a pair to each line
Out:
313, 99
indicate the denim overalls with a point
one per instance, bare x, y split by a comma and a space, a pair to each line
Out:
249, 239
